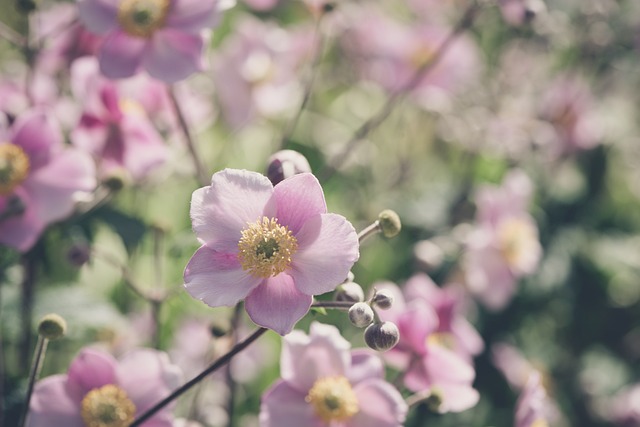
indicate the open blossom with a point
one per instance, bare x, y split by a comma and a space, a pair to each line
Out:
100, 391
40, 179
164, 37
115, 129
424, 355
274, 247
325, 384
504, 246
533, 408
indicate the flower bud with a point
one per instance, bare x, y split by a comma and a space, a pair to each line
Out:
116, 180
434, 400
390, 223
285, 164
52, 327
383, 299
349, 292
350, 277
361, 314
382, 336
79, 254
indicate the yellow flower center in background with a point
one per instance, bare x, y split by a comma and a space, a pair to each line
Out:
333, 399
266, 248
107, 406
14, 167
540, 423
518, 240
421, 55
141, 18
442, 339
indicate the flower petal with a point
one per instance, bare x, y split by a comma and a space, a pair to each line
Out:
323, 353
298, 199
221, 211
51, 405
90, 369
327, 249
277, 304
147, 377
120, 54
381, 405
365, 364
284, 406
38, 135
193, 15
415, 324
217, 278
457, 397
99, 16
144, 149
173, 55
20, 231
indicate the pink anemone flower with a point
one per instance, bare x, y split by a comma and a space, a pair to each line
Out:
165, 37
274, 247
324, 384
40, 179
98, 390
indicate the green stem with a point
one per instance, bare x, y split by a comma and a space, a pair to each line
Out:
36, 367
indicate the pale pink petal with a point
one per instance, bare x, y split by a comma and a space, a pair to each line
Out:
217, 278
467, 336
51, 405
99, 16
298, 199
221, 211
284, 406
90, 134
399, 304
277, 304
144, 149
444, 366
365, 364
147, 377
38, 135
323, 353
327, 249
457, 397
415, 324
193, 15
90, 369
120, 54
381, 405
20, 231
173, 55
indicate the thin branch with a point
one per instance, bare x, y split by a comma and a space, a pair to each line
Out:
370, 230
399, 94
344, 305
8, 33
36, 367
213, 367
231, 384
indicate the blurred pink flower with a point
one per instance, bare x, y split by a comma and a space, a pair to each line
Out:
518, 12
532, 409
504, 245
390, 53
40, 178
623, 408
165, 37
425, 353
255, 71
98, 388
325, 384
274, 247
113, 128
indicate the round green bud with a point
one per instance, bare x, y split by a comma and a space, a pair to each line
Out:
389, 222
382, 336
434, 400
116, 180
52, 327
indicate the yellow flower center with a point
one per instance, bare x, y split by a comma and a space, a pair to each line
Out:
442, 339
540, 422
107, 406
141, 18
518, 241
333, 399
14, 167
421, 56
266, 248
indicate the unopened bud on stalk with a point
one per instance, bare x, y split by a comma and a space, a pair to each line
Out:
52, 327
434, 401
383, 299
349, 292
116, 180
361, 314
382, 336
390, 223
285, 164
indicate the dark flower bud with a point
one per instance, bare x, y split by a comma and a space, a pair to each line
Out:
349, 292
382, 336
285, 164
52, 327
361, 314
383, 299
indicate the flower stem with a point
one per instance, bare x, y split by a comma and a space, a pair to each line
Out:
36, 367
344, 305
369, 231
398, 95
223, 360
231, 384
201, 175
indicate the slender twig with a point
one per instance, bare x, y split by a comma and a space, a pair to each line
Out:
2, 364
28, 284
223, 360
36, 367
201, 175
370, 230
416, 398
399, 94
8, 33
344, 305
319, 42
231, 384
